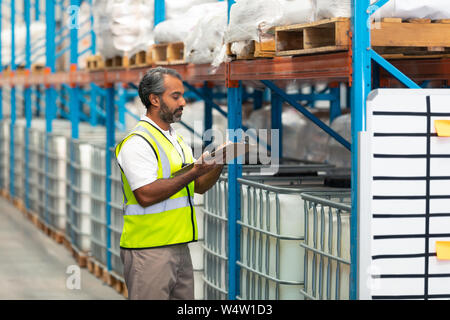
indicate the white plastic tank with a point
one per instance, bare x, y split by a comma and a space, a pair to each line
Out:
329, 232
274, 250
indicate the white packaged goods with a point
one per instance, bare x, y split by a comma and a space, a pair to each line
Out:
123, 26
405, 9
37, 34
176, 8
420, 9
336, 244
178, 29
249, 19
312, 144
205, 41
338, 155
333, 8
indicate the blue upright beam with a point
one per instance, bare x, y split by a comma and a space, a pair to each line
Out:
13, 99
258, 96
27, 97
1, 68
276, 121
208, 119
361, 87
93, 105
122, 100
234, 194
37, 10
93, 35
230, 3
160, 11
335, 103
74, 102
50, 92
110, 142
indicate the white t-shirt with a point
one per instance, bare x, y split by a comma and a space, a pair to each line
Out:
138, 160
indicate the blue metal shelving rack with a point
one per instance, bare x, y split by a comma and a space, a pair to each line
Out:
104, 102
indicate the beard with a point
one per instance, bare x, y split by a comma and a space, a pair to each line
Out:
168, 116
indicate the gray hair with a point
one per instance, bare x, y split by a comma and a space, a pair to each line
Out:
153, 82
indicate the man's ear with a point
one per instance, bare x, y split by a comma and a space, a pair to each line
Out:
154, 100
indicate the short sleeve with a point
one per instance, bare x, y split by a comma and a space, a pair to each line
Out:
138, 162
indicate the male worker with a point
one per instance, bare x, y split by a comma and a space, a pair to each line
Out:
159, 216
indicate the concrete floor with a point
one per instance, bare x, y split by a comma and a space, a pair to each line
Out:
33, 266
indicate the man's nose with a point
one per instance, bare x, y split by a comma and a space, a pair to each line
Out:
182, 102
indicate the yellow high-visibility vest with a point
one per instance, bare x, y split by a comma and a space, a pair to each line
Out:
168, 222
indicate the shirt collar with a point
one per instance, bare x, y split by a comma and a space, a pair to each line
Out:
145, 118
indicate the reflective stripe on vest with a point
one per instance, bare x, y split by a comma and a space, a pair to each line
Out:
169, 204
170, 221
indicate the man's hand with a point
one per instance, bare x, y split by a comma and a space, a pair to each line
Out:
204, 164
209, 171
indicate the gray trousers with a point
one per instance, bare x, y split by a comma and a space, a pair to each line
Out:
163, 273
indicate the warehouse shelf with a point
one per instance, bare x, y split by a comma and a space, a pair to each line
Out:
352, 67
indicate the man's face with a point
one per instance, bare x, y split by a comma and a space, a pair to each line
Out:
172, 101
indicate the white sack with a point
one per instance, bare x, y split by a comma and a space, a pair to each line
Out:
338, 155
333, 8
249, 18
419, 9
405, 9
176, 8
178, 29
123, 26
205, 41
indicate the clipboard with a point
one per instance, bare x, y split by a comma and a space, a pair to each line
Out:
231, 150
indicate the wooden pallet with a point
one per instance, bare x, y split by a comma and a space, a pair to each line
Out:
254, 50
95, 63
19, 204
37, 68
323, 36
413, 38
169, 53
117, 62
4, 193
79, 256
390, 36
109, 278
142, 59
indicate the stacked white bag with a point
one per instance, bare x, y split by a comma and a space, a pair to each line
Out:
205, 43
405, 9
179, 28
249, 19
123, 27
252, 20
419, 9
37, 31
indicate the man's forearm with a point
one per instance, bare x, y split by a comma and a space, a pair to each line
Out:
163, 189
206, 181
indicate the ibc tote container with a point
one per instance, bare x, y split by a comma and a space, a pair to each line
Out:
272, 229
98, 204
216, 220
34, 167
327, 245
4, 153
56, 175
78, 226
116, 214
19, 160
